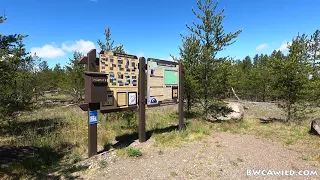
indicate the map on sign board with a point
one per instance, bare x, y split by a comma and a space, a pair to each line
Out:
162, 81
122, 70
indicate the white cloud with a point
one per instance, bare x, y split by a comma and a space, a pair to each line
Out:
48, 51
284, 46
80, 45
51, 51
140, 54
262, 47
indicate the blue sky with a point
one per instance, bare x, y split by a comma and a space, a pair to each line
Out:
151, 28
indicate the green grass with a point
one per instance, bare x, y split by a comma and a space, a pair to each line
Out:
195, 130
60, 136
128, 152
55, 96
51, 140
295, 135
131, 152
103, 164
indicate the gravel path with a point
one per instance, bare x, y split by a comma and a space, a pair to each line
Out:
220, 156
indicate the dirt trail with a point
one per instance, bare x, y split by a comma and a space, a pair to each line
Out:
220, 156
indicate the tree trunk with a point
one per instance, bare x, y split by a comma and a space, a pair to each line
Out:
288, 113
206, 93
234, 93
188, 103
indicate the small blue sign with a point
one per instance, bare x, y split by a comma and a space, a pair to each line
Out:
153, 101
93, 117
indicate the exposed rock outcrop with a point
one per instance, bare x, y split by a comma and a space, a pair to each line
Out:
232, 111
237, 112
315, 127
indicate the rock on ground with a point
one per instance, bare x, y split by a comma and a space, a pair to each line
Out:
315, 127
237, 114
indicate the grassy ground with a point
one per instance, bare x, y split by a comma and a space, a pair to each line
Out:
44, 143
47, 142
293, 135
54, 96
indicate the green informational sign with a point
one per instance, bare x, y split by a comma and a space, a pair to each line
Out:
162, 81
170, 77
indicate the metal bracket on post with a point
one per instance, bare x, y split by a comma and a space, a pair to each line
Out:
142, 107
180, 94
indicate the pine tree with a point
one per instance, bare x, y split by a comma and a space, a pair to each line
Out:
43, 66
291, 75
314, 50
58, 77
314, 57
222, 73
108, 46
189, 53
15, 72
238, 79
109, 43
259, 78
75, 76
119, 49
256, 60
45, 77
213, 39
247, 64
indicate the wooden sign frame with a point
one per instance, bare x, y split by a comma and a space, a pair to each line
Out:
97, 98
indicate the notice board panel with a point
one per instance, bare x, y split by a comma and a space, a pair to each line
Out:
123, 73
162, 81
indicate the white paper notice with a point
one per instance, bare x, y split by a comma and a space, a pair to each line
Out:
132, 98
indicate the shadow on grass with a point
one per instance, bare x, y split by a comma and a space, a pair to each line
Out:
188, 115
270, 120
127, 139
220, 121
192, 115
41, 126
35, 162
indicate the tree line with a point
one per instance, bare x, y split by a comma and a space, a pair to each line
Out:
291, 79
24, 77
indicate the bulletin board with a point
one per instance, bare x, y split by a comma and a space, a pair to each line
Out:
162, 81
123, 73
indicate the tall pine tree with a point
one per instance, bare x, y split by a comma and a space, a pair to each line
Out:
75, 74
108, 45
291, 75
15, 74
189, 53
213, 39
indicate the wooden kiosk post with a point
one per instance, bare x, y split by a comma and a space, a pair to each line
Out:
180, 94
142, 98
